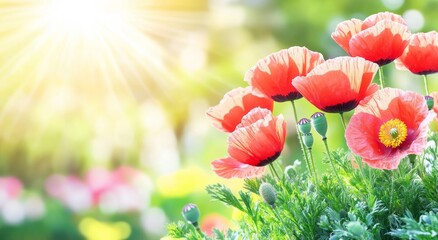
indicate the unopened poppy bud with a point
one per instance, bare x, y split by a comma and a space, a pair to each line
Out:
289, 172
319, 122
429, 101
308, 140
267, 192
304, 125
191, 213
355, 228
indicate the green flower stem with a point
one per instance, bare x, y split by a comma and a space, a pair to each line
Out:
300, 138
198, 230
343, 120
364, 179
314, 169
283, 225
272, 167
426, 86
381, 77
392, 190
333, 165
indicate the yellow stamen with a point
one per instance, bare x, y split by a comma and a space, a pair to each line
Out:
393, 133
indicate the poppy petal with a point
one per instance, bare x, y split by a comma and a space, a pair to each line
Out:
338, 84
378, 17
361, 134
236, 103
421, 54
345, 31
388, 164
272, 75
382, 43
259, 139
231, 168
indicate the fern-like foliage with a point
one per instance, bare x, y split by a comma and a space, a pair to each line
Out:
358, 203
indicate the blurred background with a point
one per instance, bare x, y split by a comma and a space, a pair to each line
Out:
103, 132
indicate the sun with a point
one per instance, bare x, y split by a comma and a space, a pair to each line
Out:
84, 16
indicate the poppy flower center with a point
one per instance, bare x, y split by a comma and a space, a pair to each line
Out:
393, 133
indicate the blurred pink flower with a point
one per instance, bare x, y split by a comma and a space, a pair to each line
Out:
10, 187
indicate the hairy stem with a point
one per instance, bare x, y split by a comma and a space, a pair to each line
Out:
314, 169
300, 138
272, 167
333, 166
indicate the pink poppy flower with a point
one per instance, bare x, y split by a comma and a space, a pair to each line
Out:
257, 141
391, 124
236, 103
273, 74
380, 38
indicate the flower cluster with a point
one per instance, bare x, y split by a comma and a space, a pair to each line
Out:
122, 190
355, 201
388, 124
15, 206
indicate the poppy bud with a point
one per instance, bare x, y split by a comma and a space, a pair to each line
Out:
308, 140
319, 122
304, 125
289, 172
190, 213
356, 228
429, 101
267, 192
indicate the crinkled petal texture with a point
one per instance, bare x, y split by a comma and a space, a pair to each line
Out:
273, 74
380, 38
421, 54
382, 43
339, 84
362, 133
229, 112
259, 139
345, 31
231, 168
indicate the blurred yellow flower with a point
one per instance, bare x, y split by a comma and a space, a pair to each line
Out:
189, 180
93, 229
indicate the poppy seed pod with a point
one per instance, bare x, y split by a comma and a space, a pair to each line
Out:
308, 140
304, 125
319, 122
429, 101
267, 192
191, 213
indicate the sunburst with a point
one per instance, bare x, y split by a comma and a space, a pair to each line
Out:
95, 51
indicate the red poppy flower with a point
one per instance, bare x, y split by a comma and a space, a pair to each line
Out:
388, 126
339, 84
380, 38
273, 74
257, 141
421, 54
236, 103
